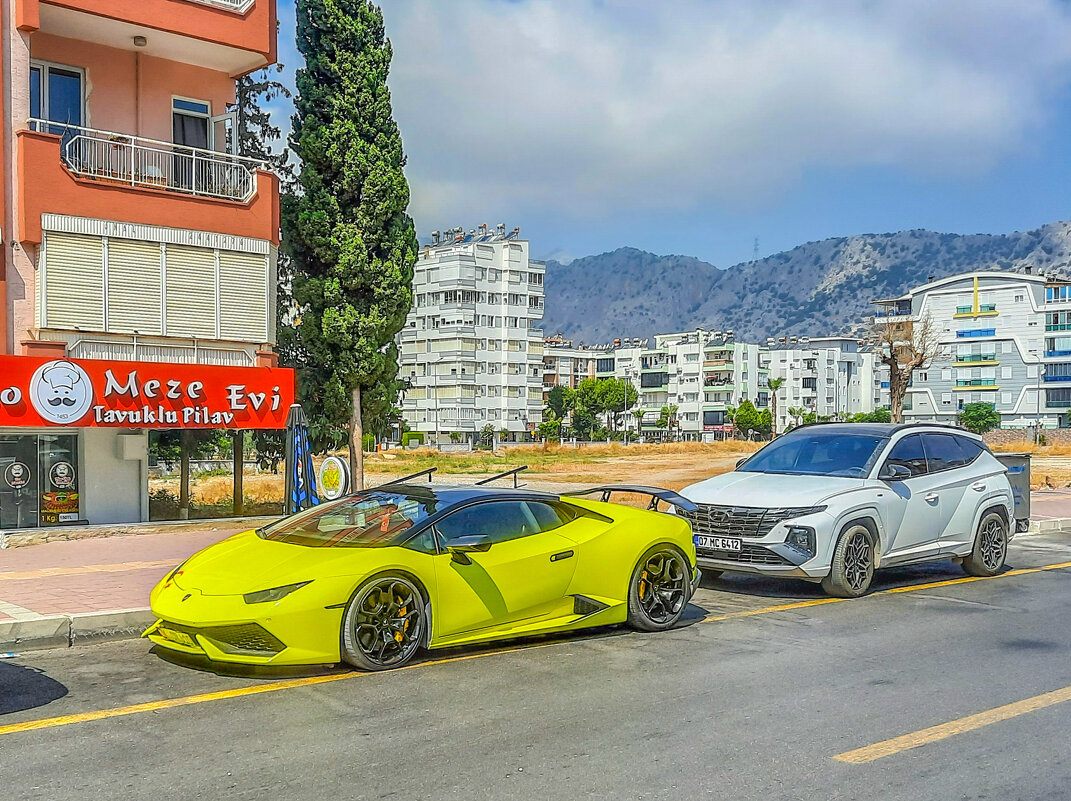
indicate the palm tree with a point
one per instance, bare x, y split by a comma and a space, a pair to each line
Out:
638, 414
774, 384
796, 413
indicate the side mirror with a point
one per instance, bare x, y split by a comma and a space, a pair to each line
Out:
895, 472
460, 548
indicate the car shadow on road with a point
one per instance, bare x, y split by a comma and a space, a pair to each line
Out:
236, 671
23, 688
788, 589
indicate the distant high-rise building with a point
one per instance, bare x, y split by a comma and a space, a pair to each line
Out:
471, 348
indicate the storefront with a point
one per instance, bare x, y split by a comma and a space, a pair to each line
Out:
73, 433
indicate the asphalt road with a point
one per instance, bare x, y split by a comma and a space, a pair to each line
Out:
762, 694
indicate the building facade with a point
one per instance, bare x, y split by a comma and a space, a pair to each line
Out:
471, 349
703, 373
1000, 340
833, 377
133, 234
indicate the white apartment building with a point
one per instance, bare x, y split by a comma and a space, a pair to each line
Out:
832, 377
471, 348
703, 373
1002, 339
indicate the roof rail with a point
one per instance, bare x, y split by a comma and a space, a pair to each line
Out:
508, 473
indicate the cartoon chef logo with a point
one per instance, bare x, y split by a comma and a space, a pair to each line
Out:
61, 392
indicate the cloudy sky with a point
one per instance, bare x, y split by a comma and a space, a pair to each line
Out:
695, 126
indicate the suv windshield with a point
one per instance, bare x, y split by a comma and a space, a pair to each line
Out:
814, 452
373, 519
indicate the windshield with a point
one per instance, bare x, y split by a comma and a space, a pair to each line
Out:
817, 453
373, 519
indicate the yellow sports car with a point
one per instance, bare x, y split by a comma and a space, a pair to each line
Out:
372, 578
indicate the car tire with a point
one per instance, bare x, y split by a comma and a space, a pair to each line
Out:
659, 589
384, 623
990, 546
852, 569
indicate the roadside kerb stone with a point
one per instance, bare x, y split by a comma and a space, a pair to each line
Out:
64, 631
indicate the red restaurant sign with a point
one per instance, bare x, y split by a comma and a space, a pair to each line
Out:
38, 392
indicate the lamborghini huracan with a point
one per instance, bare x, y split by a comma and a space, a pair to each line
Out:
374, 577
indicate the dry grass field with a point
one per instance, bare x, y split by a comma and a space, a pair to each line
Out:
671, 465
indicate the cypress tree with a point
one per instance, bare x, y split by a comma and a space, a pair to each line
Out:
351, 242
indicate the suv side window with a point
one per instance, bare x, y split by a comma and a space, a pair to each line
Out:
971, 448
498, 521
943, 452
908, 453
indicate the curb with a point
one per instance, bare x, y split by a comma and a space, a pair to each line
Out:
20, 538
65, 631
1057, 525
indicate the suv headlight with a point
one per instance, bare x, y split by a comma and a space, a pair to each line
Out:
802, 539
274, 594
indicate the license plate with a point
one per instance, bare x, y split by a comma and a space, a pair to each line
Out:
177, 637
718, 543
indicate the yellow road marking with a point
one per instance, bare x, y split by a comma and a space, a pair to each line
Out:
52, 572
945, 730
269, 687
1025, 571
169, 703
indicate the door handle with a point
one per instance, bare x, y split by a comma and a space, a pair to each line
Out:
933, 496
559, 556
978, 487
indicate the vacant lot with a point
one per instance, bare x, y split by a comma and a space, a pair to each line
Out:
555, 467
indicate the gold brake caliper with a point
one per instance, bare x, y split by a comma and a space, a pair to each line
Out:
643, 584
405, 626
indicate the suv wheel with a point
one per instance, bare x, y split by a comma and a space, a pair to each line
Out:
990, 547
853, 563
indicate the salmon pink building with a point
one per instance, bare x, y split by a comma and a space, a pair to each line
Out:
137, 246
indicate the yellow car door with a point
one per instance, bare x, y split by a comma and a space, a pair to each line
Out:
522, 576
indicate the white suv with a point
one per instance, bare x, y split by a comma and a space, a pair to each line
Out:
834, 501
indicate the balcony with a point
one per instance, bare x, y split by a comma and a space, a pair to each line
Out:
232, 36
974, 333
91, 173
983, 310
977, 358
1057, 378
150, 163
976, 383
1055, 354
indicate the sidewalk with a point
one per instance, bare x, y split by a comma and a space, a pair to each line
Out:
54, 593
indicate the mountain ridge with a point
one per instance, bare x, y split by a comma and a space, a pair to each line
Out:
817, 288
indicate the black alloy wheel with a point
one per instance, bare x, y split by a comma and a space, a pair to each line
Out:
384, 624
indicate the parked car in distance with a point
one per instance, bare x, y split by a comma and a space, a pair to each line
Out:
832, 502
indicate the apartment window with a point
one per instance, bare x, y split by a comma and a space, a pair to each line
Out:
1006, 372
56, 94
946, 398
1006, 398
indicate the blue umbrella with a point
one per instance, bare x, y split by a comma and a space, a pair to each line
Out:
300, 477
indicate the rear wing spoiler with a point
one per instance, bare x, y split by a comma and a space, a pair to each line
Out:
657, 494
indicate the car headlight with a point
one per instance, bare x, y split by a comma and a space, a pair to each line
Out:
274, 594
801, 538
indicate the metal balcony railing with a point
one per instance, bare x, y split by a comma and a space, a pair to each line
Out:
241, 6
137, 161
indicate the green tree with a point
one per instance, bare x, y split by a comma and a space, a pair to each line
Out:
774, 385
979, 417
667, 418
765, 426
254, 130
796, 413
550, 429
560, 402
346, 230
746, 417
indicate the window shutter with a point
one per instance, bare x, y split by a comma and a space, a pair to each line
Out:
133, 287
191, 292
73, 285
243, 296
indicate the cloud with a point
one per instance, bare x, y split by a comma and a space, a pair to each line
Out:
594, 107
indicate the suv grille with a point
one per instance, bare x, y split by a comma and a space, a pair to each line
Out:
740, 521
750, 554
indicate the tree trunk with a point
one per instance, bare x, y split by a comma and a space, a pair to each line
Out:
184, 475
238, 438
356, 443
898, 379
773, 404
